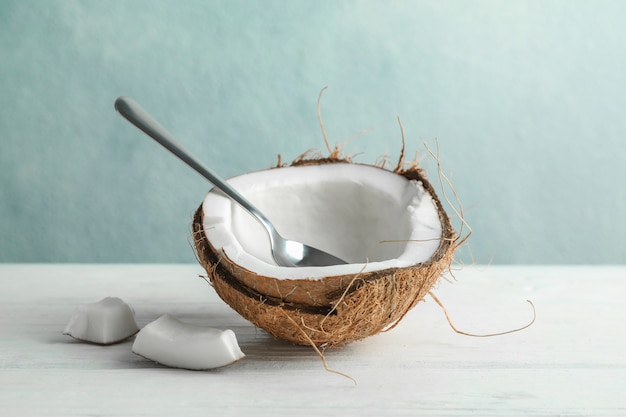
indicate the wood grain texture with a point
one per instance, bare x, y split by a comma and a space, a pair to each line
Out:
571, 362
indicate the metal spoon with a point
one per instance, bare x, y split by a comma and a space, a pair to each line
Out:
285, 252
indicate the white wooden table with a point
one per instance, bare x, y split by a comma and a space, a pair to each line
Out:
571, 362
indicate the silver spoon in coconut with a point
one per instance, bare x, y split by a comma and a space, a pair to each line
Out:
285, 252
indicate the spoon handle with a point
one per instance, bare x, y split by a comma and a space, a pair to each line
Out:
128, 108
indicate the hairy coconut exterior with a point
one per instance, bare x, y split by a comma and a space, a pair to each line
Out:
333, 310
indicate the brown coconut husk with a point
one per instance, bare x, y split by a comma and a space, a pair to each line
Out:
333, 310
337, 309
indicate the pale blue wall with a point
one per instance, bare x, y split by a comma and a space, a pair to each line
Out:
526, 98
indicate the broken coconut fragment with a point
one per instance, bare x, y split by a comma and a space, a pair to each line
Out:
389, 225
105, 322
173, 343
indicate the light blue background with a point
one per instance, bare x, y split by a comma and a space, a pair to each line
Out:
526, 99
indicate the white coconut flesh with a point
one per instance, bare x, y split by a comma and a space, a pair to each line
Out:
171, 342
373, 218
105, 322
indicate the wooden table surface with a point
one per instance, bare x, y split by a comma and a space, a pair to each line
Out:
570, 362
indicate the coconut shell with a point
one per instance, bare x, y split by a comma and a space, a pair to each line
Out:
333, 310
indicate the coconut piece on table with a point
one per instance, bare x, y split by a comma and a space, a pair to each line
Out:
105, 322
170, 342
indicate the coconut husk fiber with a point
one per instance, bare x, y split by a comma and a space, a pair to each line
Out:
333, 310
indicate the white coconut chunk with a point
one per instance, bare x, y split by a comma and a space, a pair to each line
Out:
173, 343
368, 216
105, 322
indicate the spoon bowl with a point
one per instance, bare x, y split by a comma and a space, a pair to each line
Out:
285, 252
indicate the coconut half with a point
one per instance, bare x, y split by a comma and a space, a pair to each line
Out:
389, 225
